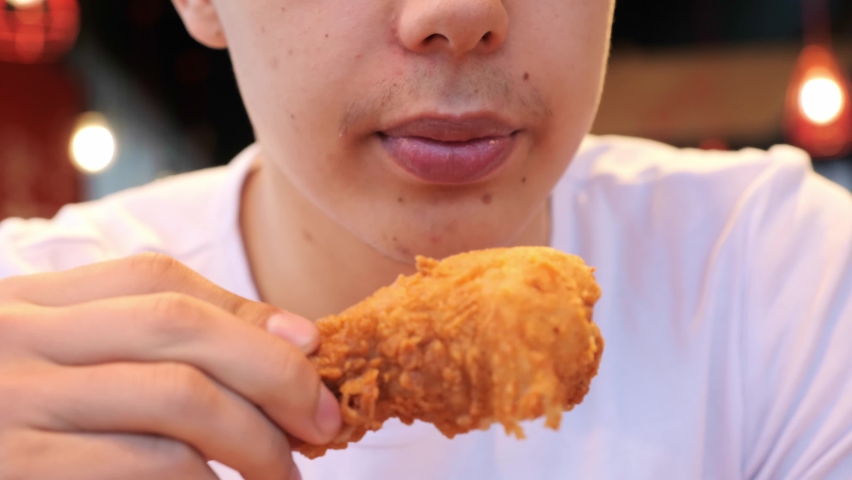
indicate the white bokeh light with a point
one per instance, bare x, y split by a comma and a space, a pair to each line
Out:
25, 3
821, 99
92, 148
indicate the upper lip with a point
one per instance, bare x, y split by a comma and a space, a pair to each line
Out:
461, 128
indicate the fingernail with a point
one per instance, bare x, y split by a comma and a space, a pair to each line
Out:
295, 474
328, 413
299, 331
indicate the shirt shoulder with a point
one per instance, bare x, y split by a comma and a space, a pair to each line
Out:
175, 216
684, 198
626, 161
681, 216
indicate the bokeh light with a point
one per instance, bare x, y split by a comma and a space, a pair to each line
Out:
93, 145
24, 3
821, 99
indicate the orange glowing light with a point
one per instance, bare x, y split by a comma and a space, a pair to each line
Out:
818, 111
821, 100
35, 31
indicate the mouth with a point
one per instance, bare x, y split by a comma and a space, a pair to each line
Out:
450, 150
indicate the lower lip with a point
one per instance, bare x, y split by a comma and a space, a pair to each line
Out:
449, 163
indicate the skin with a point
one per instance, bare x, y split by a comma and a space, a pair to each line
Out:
328, 217
140, 368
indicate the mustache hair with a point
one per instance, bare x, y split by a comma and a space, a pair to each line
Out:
478, 84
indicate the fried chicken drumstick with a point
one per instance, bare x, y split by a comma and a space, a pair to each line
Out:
502, 335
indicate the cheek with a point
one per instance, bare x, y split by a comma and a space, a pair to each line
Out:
563, 42
295, 59
563, 45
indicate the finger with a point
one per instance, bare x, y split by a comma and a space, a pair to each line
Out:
42, 455
265, 370
171, 400
137, 275
134, 275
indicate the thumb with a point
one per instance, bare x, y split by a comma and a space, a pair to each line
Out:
297, 330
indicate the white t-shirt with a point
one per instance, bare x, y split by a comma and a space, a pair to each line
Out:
727, 314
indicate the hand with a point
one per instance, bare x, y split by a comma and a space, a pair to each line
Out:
140, 368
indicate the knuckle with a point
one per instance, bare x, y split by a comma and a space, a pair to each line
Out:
274, 452
173, 315
171, 304
185, 390
253, 313
173, 457
154, 265
297, 371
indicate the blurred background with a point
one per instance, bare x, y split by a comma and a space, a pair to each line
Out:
101, 95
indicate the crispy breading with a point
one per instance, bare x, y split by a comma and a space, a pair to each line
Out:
501, 335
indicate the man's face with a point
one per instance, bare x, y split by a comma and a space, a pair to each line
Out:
420, 126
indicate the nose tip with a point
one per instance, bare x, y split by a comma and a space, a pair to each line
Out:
456, 26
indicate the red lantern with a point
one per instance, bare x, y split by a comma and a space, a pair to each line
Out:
39, 105
34, 31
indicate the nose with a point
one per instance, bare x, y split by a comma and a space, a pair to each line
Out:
458, 27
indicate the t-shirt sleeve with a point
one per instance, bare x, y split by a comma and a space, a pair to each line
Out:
39, 245
797, 340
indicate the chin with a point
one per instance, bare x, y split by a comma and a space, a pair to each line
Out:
405, 249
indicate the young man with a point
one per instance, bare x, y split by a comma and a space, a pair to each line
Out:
389, 128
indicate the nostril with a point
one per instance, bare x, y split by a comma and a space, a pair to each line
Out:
432, 37
457, 27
